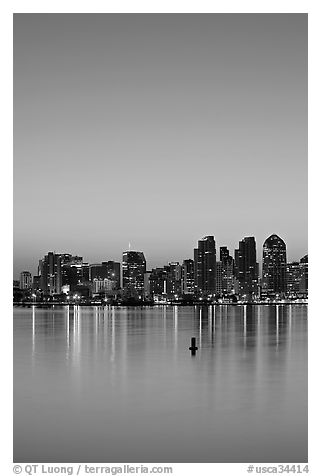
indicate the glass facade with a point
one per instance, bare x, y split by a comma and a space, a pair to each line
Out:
188, 284
205, 266
246, 268
134, 268
274, 266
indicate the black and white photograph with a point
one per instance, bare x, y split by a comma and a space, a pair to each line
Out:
160, 240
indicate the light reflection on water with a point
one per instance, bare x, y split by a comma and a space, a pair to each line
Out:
120, 385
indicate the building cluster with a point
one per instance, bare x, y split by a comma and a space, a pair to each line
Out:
211, 275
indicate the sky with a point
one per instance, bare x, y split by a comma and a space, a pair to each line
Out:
158, 129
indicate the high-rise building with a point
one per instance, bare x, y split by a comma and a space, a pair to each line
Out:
236, 265
71, 271
49, 271
133, 268
219, 287
158, 282
36, 283
205, 266
147, 292
113, 272
25, 280
246, 267
173, 279
97, 271
224, 253
85, 273
166, 282
274, 266
304, 274
188, 276
293, 277
227, 277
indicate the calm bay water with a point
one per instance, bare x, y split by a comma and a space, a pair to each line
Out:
120, 385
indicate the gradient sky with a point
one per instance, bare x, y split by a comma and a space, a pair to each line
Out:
158, 129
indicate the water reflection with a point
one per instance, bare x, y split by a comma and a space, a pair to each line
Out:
118, 374
175, 312
247, 327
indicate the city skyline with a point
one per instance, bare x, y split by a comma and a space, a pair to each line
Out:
150, 263
213, 275
158, 129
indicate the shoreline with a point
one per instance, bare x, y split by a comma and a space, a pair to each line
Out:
57, 304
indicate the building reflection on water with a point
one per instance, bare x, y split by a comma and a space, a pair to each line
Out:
116, 373
117, 332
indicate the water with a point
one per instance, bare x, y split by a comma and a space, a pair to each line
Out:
120, 385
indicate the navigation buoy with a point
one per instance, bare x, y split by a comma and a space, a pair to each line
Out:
193, 347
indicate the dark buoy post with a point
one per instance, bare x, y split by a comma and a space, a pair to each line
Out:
193, 347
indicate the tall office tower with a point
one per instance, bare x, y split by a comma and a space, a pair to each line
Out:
147, 291
36, 283
205, 266
25, 280
174, 279
236, 265
158, 282
113, 272
49, 271
85, 273
134, 268
293, 277
188, 276
71, 271
304, 274
227, 270
247, 267
274, 266
97, 271
224, 253
219, 268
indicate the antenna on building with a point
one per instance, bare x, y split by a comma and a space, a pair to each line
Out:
129, 245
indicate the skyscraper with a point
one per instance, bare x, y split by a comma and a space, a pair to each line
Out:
158, 282
227, 270
36, 283
293, 278
224, 253
113, 272
188, 276
274, 266
205, 266
71, 271
304, 274
219, 288
25, 280
49, 271
247, 267
147, 290
134, 268
174, 279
